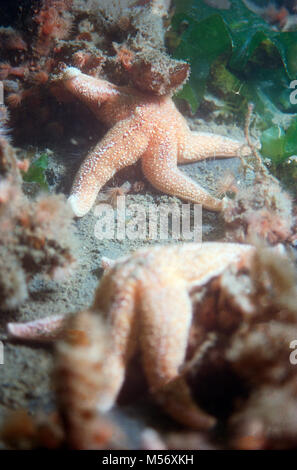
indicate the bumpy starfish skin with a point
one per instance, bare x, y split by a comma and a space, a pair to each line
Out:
141, 126
145, 299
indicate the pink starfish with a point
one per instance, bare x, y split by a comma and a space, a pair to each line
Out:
145, 298
141, 126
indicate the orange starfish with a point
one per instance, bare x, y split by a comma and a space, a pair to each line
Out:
141, 126
145, 299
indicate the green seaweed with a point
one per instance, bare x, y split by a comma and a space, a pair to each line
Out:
259, 60
236, 56
36, 172
277, 144
201, 45
280, 147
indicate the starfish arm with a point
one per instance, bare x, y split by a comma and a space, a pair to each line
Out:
159, 167
166, 315
177, 401
200, 145
165, 326
122, 146
119, 312
77, 380
92, 91
43, 330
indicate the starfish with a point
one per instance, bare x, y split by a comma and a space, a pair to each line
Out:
142, 126
145, 300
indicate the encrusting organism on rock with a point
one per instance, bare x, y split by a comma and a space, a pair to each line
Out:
28, 234
11, 40
54, 23
262, 209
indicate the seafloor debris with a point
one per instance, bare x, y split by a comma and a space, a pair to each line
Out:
35, 235
261, 208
